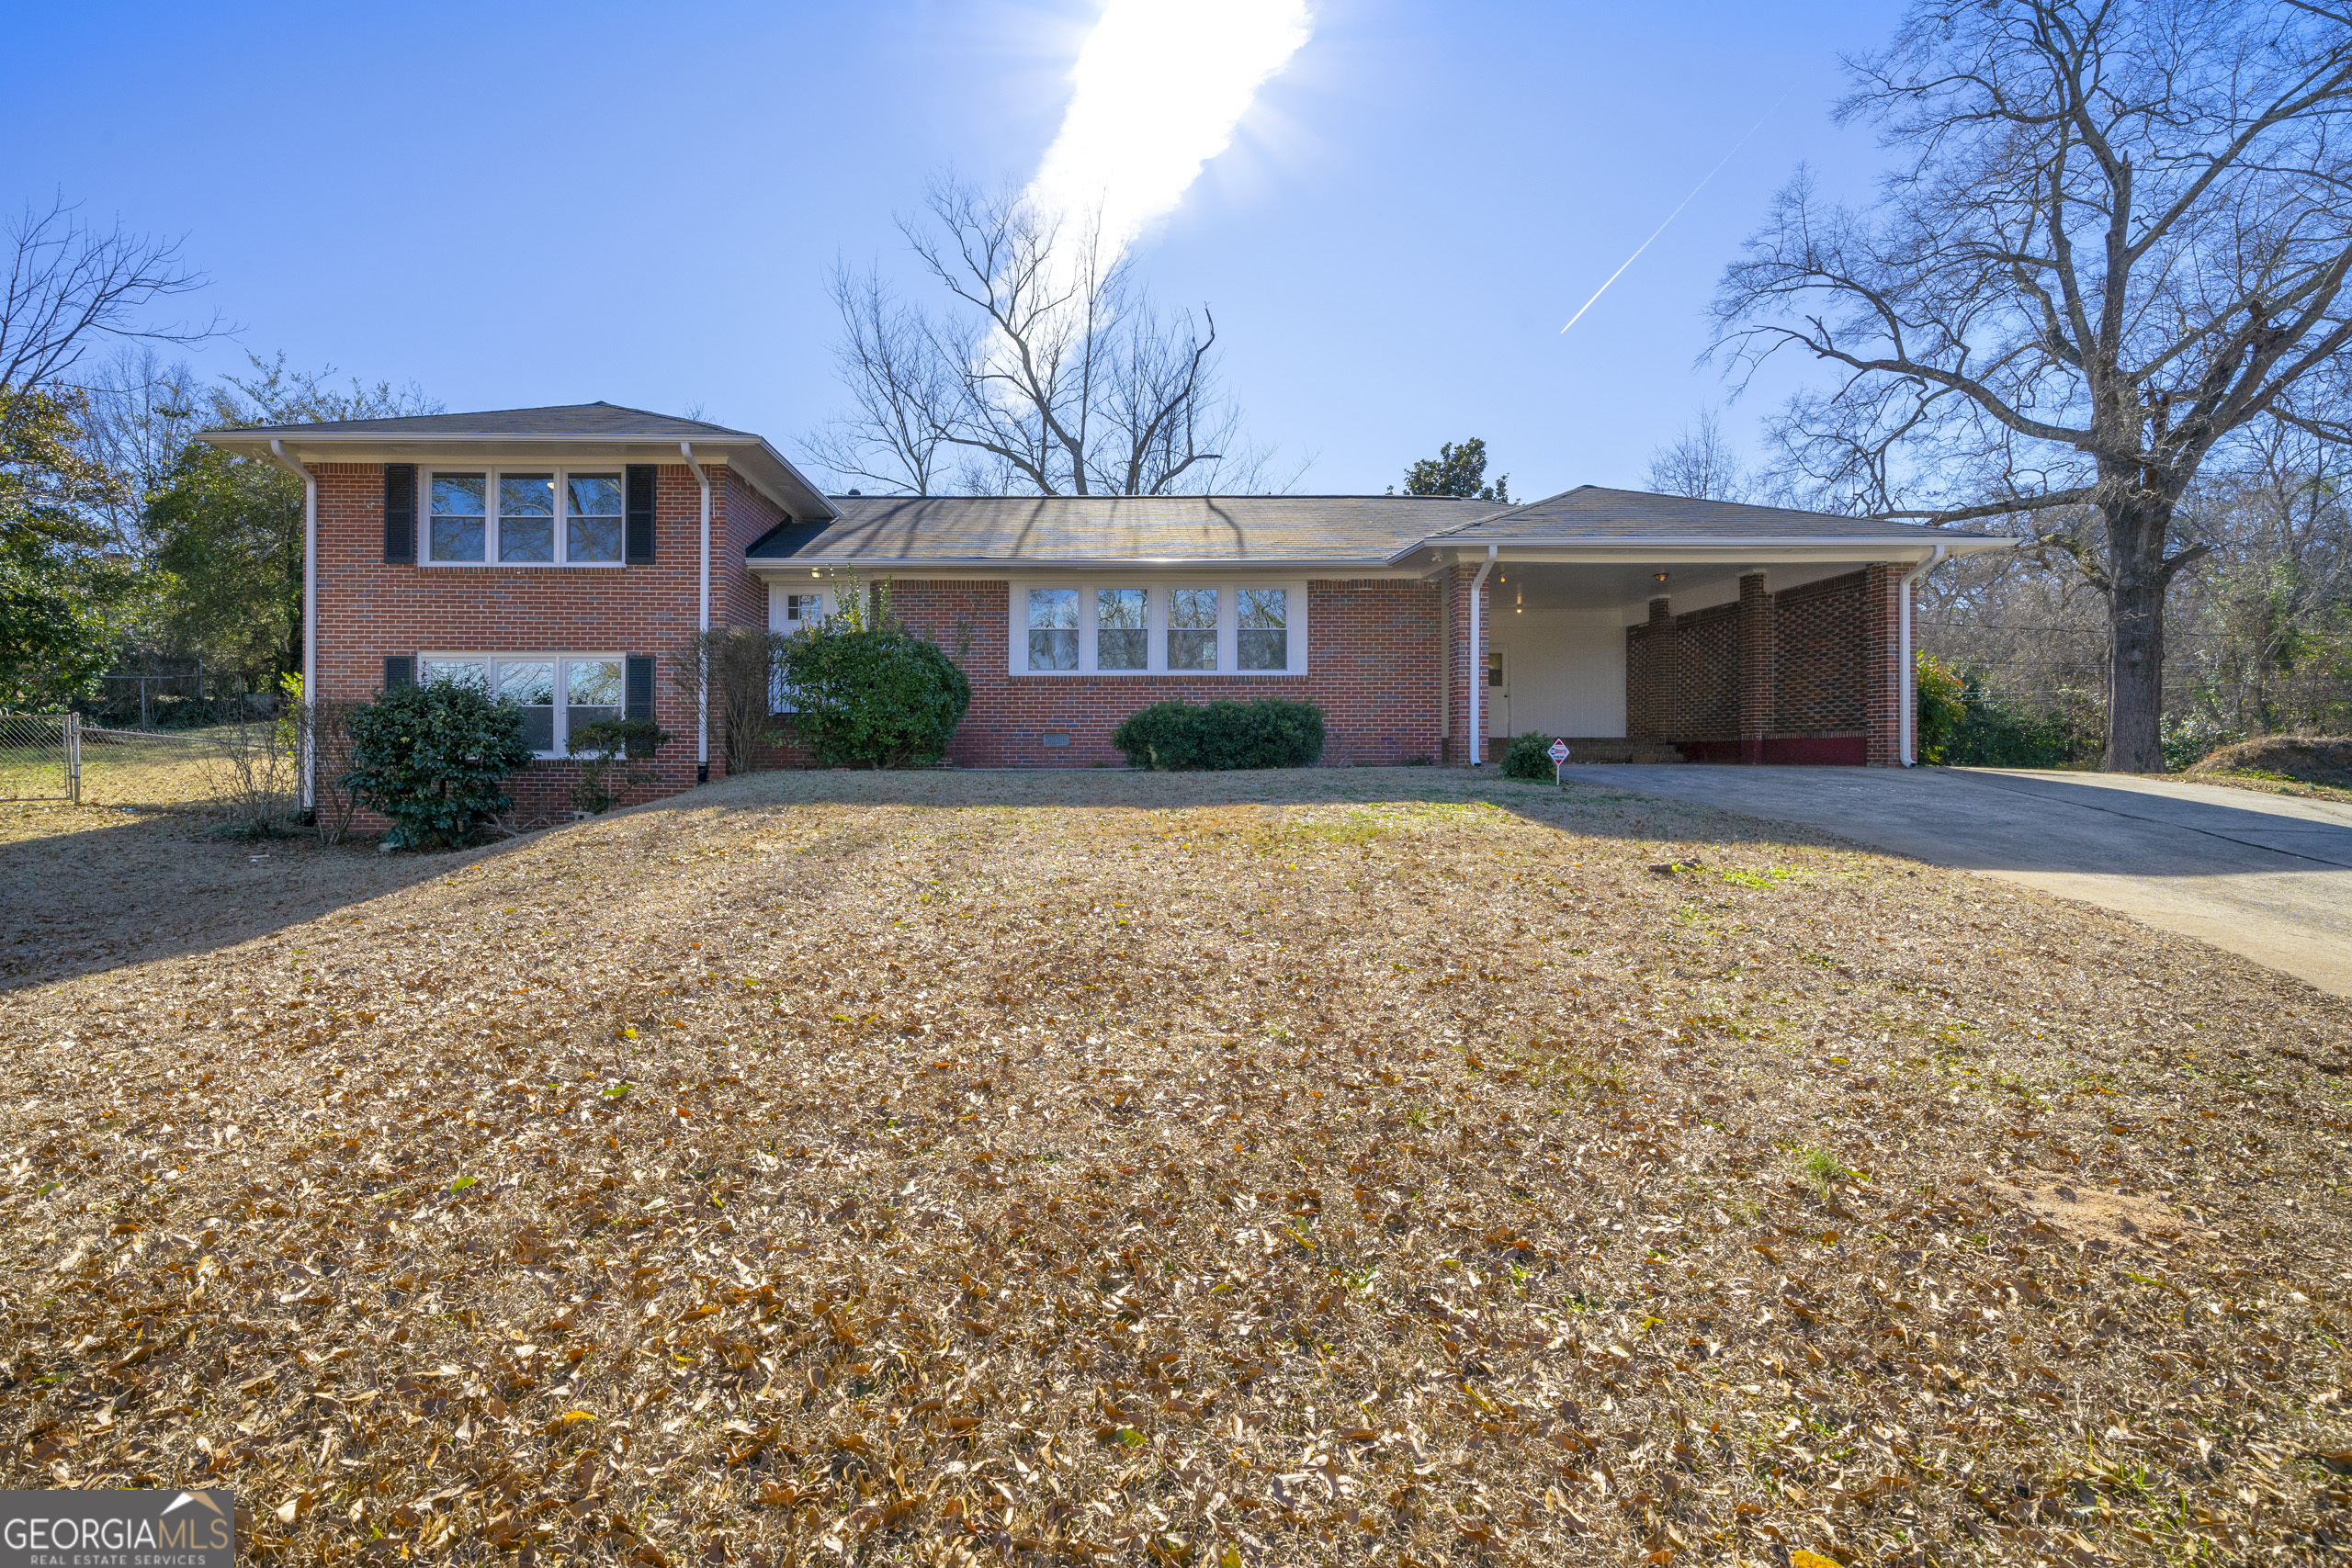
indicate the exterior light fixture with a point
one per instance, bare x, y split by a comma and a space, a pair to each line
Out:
1661, 577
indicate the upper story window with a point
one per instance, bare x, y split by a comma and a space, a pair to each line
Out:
1183, 628
524, 517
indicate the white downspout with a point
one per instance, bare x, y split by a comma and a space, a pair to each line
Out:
310, 610
702, 623
1907, 682
1478, 665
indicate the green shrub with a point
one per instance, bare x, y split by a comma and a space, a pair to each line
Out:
433, 758
1941, 710
1529, 756
601, 750
1173, 737
873, 694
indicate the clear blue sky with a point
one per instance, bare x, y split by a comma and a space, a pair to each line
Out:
537, 204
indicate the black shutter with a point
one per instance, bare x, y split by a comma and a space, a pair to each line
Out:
636, 691
399, 671
400, 514
637, 697
639, 509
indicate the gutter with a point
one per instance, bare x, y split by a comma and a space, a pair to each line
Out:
702, 625
1907, 683
1478, 665
310, 610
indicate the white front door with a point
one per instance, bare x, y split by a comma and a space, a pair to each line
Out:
1498, 698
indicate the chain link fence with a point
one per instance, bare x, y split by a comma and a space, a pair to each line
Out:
35, 756
248, 774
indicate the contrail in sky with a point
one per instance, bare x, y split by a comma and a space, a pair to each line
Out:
1157, 88
1673, 215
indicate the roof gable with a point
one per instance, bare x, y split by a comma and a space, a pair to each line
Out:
1595, 513
607, 421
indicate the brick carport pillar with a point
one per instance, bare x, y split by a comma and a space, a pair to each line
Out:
1665, 677
1758, 659
1881, 681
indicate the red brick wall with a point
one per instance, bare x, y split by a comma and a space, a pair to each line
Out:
1372, 663
1759, 666
1816, 663
369, 611
1706, 674
1882, 589
1821, 635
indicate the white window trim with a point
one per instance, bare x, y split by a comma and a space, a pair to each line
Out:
490, 472
1229, 611
563, 708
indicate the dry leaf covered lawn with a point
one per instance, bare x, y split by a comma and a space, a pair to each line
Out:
1355, 1166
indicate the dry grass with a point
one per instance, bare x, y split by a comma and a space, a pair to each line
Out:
2271, 783
1372, 1167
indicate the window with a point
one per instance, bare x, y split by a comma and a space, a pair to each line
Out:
592, 691
1062, 628
1263, 639
802, 611
460, 516
458, 672
1053, 628
592, 510
559, 693
1191, 628
1121, 634
524, 518
529, 685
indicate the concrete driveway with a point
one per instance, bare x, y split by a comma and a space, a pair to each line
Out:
2266, 876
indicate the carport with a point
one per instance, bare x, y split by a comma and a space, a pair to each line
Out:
1660, 628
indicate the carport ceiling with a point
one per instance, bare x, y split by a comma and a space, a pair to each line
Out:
1577, 586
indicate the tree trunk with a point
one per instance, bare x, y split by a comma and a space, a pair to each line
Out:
2135, 617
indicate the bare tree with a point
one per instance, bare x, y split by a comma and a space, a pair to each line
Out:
1049, 373
2116, 239
1700, 463
140, 415
70, 285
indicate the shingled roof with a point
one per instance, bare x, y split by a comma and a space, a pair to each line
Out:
566, 428
1305, 529
604, 421
1591, 513
936, 530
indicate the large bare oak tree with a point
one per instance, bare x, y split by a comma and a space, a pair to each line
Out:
1046, 373
2115, 244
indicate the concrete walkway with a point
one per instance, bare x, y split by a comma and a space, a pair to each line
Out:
2266, 876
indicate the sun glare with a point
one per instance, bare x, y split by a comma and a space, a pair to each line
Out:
1159, 85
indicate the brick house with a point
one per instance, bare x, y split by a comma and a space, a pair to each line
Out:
560, 554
